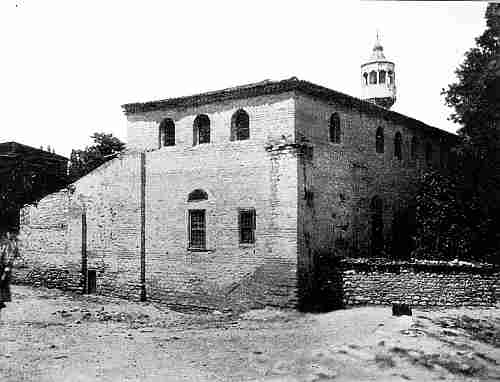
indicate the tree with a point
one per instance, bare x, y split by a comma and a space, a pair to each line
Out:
105, 147
457, 211
476, 100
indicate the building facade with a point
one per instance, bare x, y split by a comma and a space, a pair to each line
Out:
229, 199
225, 198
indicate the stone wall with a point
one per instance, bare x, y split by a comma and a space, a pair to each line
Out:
52, 232
443, 285
309, 195
338, 181
48, 234
258, 173
342, 178
234, 174
271, 116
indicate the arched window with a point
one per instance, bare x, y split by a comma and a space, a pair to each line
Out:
377, 225
201, 130
379, 140
167, 133
335, 128
398, 140
377, 204
197, 222
390, 74
428, 152
197, 195
365, 76
381, 77
413, 148
373, 77
240, 126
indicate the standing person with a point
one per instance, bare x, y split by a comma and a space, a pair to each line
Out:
8, 252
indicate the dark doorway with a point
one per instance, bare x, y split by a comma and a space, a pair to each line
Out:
377, 237
91, 281
403, 230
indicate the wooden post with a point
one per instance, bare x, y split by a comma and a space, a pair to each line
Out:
84, 252
143, 226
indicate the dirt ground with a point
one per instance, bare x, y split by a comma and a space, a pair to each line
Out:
47, 335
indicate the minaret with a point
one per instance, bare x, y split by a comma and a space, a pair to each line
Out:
378, 82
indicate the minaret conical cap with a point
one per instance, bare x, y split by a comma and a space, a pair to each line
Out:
378, 50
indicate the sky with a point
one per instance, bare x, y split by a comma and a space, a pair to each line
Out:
67, 66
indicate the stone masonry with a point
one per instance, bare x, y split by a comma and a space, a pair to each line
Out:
310, 196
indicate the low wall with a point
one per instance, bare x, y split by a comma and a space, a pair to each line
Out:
347, 282
65, 278
417, 283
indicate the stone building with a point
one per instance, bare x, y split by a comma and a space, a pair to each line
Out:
227, 198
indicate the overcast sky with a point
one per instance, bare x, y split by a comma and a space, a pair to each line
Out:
67, 66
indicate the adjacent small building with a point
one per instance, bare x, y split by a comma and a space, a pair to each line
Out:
26, 175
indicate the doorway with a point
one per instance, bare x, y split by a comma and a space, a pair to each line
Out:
91, 281
377, 237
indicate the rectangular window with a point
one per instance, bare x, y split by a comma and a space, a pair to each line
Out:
197, 229
355, 238
247, 226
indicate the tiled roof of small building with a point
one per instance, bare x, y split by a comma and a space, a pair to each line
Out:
15, 149
268, 87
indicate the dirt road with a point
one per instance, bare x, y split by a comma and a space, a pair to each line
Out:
47, 335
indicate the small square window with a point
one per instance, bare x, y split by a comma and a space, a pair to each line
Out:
247, 226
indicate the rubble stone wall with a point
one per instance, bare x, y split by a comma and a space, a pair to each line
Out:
48, 234
52, 234
420, 284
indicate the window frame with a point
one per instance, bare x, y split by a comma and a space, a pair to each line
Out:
377, 225
251, 226
167, 133
379, 140
390, 75
200, 126
398, 146
382, 76
197, 195
236, 129
334, 128
202, 244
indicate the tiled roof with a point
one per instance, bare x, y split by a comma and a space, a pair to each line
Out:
268, 87
15, 149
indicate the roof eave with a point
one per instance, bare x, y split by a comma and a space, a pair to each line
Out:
277, 87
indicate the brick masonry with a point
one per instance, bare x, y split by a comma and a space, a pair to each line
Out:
310, 196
